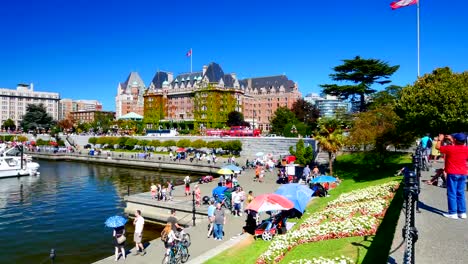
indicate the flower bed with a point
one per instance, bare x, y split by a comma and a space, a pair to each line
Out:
357, 213
321, 260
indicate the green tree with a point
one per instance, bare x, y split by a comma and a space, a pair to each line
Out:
281, 118
130, 143
436, 103
9, 124
389, 96
362, 74
36, 117
306, 112
330, 138
143, 142
304, 155
235, 119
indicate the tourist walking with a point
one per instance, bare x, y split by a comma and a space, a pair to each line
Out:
306, 174
187, 185
153, 190
236, 201
219, 222
119, 241
139, 223
456, 156
211, 218
197, 195
250, 197
164, 193
170, 188
159, 193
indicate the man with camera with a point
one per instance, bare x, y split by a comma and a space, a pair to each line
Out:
456, 156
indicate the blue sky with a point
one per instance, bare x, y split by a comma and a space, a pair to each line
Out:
84, 48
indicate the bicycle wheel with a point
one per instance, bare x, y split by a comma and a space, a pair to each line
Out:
184, 254
168, 259
186, 240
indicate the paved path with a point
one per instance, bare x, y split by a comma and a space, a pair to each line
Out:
441, 240
200, 243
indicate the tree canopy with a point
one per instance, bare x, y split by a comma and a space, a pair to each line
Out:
436, 103
36, 117
362, 74
9, 124
236, 119
330, 138
281, 118
306, 112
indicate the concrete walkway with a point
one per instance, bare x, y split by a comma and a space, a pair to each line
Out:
441, 240
200, 243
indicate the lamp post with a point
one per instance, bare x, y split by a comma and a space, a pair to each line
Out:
253, 125
193, 209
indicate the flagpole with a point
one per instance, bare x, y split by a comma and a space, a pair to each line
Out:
191, 55
417, 17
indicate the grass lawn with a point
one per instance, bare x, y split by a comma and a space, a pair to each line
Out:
356, 172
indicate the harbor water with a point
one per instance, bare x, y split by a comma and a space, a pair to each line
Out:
65, 208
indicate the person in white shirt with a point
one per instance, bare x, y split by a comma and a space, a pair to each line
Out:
139, 223
236, 201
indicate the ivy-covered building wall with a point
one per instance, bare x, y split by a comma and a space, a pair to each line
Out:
155, 109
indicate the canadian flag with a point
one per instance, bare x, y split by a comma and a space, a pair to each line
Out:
189, 53
402, 3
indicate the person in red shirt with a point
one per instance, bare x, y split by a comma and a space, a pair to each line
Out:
456, 155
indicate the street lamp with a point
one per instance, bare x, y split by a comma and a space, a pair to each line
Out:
253, 125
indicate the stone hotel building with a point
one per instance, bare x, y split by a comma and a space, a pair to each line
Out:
205, 97
13, 103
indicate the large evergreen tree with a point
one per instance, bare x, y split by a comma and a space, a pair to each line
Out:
436, 103
36, 117
362, 74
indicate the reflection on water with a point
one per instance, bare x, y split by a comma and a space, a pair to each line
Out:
65, 208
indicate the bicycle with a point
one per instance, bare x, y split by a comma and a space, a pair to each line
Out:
179, 253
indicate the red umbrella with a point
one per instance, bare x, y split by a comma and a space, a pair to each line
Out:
270, 202
180, 150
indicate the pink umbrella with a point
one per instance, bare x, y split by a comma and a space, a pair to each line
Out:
270, 202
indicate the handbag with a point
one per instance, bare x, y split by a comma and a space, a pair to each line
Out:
121, 239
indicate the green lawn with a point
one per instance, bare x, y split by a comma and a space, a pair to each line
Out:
356, 173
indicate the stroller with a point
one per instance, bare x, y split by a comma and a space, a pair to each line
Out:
223, 195
271, 227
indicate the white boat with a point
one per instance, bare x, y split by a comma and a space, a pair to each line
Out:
12, 166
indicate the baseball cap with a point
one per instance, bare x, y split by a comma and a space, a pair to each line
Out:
461, 137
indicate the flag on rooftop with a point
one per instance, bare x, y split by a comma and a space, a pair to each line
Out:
189, 53
402, 3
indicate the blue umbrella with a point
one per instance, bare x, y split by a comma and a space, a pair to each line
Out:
232, 167
219, 191
115, 221
299, 194
325, 178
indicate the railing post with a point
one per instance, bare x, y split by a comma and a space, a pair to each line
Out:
193, 209
52, 256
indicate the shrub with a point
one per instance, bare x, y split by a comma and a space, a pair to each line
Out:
22, 138
100, 140
199, 143
215, 144
169, 143
184, 131
60, 143
121, 141
92, 140
41, 142
130, 143
184, 143
155, 143
143, 142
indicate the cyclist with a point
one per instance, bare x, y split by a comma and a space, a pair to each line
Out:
169, 238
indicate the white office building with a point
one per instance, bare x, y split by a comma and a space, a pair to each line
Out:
13, 103
330, 104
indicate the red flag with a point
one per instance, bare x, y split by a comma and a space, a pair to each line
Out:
402, 3
189, 53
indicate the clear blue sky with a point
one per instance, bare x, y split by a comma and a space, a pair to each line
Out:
84, 48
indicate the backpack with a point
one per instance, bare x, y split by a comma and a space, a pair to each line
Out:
164, 236
429, 144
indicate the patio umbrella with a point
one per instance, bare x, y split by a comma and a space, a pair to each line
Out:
299, 194
259, 154
224, 171
115, 221
180, 150
232, 167
219, 191
270, 202
324, 178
